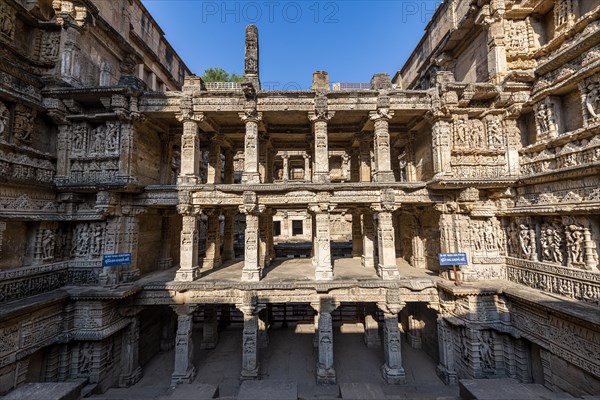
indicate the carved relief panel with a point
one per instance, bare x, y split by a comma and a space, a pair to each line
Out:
548, 118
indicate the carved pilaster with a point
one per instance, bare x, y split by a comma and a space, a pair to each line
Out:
386, 247
319, 119
188, 264
190, 142
368, 230
229, 235
325, 369
357, 235
322, 242
131, 370
184, 371
210, 333
213, 175
382, 150
251, 151
440, 133
250, 339
392, 370
212, 258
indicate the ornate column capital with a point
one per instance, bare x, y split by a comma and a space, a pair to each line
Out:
320, 116
250, 115
187, 115
184, 309
381, 114
391, 308
325, 305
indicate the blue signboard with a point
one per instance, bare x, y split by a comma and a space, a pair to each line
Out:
116, 260
450, 259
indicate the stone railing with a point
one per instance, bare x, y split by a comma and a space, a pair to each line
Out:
19, 283
223, 86
552, 278
350, 86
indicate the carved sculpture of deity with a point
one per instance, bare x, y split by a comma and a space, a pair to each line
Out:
575, 241
4, 119
550, 241
48, 244
592, 99
525, 240
486, 349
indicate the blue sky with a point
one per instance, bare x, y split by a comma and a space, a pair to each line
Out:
351, 40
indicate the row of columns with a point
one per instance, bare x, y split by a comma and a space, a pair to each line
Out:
190, 150
185, 372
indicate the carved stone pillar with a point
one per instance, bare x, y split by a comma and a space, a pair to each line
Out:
130, 241
286, 168
263, 221
383, 164
493, 21
184, 371
591, 261
228, 175
131, 372
189, 269
251, 271
62, 152
212, 258
414, 332
392, 370
365, 158
213, 175
325, 369
165, 261
440, 132
357, 238
354, 165
445, 369
251, 151
368, 230
307, 173
190, 144
372, 338
210, 332
322, 242
229, 235
250, 340
321, 149
386, 247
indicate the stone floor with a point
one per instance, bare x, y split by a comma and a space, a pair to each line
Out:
297, 269
290, 357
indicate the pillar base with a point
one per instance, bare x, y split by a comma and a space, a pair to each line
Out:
187, 180
188, 377
415, 341
130, 379
211, 263
372, 338
388, 272
367, 262
250, 177
251, 276
393, 376
326, 376
187, 275
384, 176
448, 377
321, 177
324, 274
247, 374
